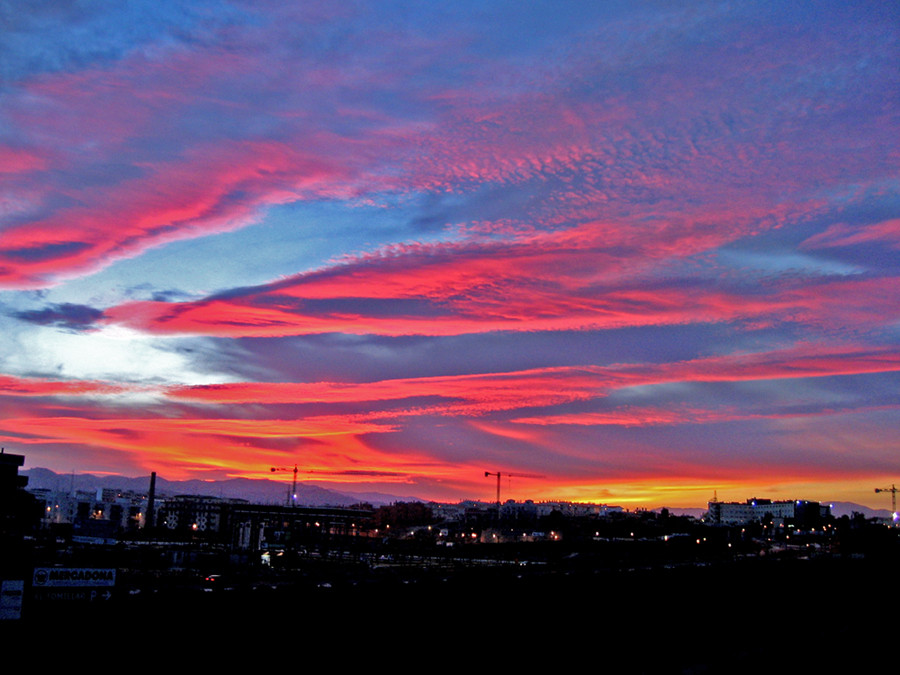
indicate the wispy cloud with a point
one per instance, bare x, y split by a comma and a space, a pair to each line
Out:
607, 242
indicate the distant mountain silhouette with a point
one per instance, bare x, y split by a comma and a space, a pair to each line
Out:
839, 509
265, 491
260, 491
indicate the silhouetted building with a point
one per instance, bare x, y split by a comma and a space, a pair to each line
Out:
803, 512
243, 526
123, 510
199, 514
19, 511
10, 480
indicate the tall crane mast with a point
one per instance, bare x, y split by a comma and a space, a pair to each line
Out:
893, 491
499, 474
292, 495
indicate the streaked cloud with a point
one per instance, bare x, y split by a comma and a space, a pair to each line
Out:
632, 248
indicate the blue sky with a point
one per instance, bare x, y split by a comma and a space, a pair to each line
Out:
644, 251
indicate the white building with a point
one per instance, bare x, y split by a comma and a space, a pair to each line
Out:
755, 510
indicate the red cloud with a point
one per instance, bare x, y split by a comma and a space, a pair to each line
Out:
483, 393
24, 386
887, 231
167, 204
128, 172
19, 160
632, 416
559, 281
190, 442
184, 446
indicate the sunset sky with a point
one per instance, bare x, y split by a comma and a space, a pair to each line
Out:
647, 251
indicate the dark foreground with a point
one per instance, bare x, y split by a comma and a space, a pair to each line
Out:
749, 616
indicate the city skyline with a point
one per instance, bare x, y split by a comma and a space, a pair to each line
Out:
636, 254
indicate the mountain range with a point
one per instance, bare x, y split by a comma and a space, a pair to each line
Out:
259, 491
264, 491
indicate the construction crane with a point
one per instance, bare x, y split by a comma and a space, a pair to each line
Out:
893, 491
499, 474
292, 495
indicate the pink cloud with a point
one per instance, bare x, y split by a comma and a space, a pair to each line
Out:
633, 416
484, 393
839, 234
189, 441
150, 178
20, 160
585, 277
171, 203
28, 386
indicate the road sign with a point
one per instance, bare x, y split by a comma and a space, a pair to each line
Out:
11, 592
68, 577
76, 594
